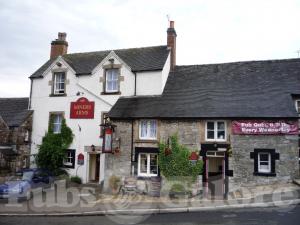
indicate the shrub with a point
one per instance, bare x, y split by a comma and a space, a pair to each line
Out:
76, 179
176, 163
52, 150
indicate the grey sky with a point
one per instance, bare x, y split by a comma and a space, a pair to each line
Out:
209, 31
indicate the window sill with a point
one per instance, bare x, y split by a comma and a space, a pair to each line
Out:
142, 177
146, 141
215, 142
264, 174
58, 95
69, 166
111, 93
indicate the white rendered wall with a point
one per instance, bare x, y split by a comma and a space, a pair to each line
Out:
148, 83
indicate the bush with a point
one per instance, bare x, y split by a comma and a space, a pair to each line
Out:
176, 162
52, 151
177, 188
76, 179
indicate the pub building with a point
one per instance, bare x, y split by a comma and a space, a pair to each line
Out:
241, 117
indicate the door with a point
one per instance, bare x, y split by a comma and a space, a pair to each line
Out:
215, 175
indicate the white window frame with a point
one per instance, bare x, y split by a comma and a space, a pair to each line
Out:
68, 159
260, 170
148, 137
56, 82
57, 123
216, 130
148, 173
112, 80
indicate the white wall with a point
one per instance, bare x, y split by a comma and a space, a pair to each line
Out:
148, 83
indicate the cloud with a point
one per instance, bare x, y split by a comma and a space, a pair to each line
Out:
208, 31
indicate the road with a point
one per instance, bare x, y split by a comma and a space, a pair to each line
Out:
265, 216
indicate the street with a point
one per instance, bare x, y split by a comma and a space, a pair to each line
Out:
282, 215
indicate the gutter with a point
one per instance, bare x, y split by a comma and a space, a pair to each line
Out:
131, 153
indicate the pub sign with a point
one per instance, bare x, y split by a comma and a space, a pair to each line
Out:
265, 127
82, 109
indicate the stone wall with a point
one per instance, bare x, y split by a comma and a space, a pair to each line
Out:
192, 134
119, 164
286, 168
15, 138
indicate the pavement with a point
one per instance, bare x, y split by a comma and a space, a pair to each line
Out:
87, 201
288, 215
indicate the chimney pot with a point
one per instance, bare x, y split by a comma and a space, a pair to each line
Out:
62, 36
171, 24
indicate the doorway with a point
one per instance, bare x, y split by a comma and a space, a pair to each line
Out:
215, 174
94, 167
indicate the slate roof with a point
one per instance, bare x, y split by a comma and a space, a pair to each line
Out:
139, 59
14, 110
252, 89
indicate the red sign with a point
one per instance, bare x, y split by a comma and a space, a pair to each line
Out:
107, 140
254, 127
82, 109
80, 159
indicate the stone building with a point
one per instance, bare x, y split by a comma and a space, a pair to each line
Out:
15, 131
240, 117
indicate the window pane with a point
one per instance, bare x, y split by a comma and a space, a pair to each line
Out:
210, 125
153, 164
109, 85
221, 126
264, 157
210, 134
143, 128
114, 85
143, 163
152, 129
221, 134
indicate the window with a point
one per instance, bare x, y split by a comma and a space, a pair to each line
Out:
147, 164
264, 162
215, 131
59, 83
56, 122
69, 160
148, 129
112, 80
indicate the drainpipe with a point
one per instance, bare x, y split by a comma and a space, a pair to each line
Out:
134, 83
30, 95
131, 154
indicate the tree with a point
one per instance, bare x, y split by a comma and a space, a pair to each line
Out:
175, 162
52, 150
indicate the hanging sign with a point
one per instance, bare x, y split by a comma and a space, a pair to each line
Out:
255, 127
107, 140
80, 159
82, 109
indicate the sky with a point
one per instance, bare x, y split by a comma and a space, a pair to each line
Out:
208, 31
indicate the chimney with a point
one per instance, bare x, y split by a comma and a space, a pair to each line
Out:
171, 42
59, 46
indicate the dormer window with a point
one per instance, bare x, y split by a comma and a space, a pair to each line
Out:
59, 84
112, 80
